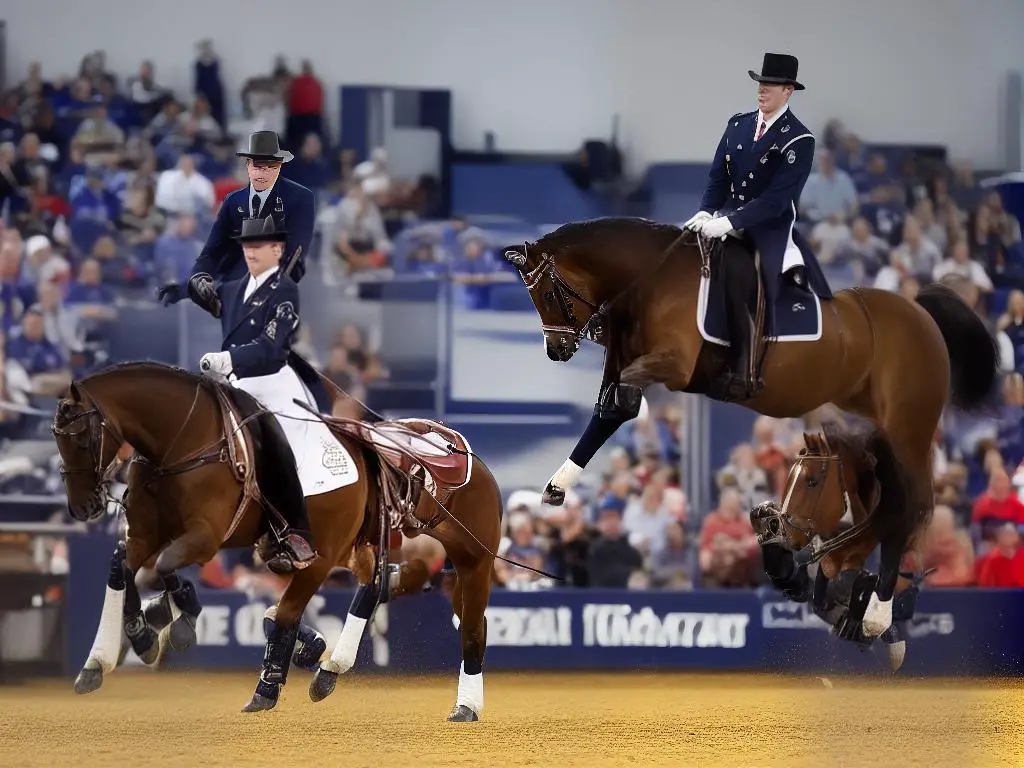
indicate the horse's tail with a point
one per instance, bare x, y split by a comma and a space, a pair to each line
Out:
973, 354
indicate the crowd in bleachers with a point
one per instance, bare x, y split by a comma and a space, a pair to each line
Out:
108, 185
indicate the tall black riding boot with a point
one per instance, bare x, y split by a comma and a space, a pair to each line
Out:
296, 550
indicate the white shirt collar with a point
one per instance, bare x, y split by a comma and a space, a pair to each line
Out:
262, 196
255, 282
771, 120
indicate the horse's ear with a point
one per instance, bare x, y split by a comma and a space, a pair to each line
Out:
809, 442
827, 450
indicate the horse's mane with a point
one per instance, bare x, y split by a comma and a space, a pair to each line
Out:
578, 233
146, 366
902, 511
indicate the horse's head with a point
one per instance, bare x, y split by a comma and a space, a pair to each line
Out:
87, 448
816, 499
567, 316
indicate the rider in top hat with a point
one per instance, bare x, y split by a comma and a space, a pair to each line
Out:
760, 168
292, 206
259, 318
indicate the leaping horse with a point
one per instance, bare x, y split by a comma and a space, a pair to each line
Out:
193, 489
639, 289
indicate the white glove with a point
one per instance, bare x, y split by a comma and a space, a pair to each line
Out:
216, 363
720, 226
696, 220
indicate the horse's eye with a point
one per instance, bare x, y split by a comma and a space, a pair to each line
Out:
812, 482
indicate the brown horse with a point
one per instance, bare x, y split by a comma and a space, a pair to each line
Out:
633, 286
835, 488
192, 491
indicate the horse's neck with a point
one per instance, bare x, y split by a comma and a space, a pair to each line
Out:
152, 411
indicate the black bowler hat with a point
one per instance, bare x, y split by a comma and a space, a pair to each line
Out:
778, 69
261, 229
264, 145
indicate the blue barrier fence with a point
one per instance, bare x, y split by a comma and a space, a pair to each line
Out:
955, 632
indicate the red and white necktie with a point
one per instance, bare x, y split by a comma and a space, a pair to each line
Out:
760, 131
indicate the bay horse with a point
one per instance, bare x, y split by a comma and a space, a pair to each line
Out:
634, 286
192, 491
835, 488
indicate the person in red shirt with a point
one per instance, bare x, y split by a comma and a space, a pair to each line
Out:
729, 553
305, 106
1003, 566
999, 504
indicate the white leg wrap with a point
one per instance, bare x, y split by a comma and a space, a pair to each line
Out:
567, 475
896, 653
877, 616
107, 645
471, 690
343, 657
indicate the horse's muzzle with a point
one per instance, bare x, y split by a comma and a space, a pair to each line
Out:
561, 347
766, 520
94, 507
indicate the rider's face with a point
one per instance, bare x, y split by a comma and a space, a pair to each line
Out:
261, 255
771, 98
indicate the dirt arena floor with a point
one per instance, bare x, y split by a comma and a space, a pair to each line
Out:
141, 719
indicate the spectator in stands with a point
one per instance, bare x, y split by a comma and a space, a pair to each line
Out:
769, 455
521, 546
475, 269
30, 164
828, 235
612, 560
984, 239
183, 190
305, 105
140, 222
997, 505
863, 250
167, 120
674, 566
15, 388
852, 155
1002, 222
350, 407
11, 180
947, 548
1012, 324
1003, 566
97, 133
88, 295
876, 185
118, 266
829, 192
340, 369
360, 240
310, 169
16, 295
177, 250
571, 548
646, 520
61, 326
959, 262
95, 202
729, 555
359, 353
743, 474
40, 358
144, 91
40, 259
931, 228
207, 82
207, 127
918, 254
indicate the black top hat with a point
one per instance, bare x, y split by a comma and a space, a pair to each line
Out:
261, 229
778, 69
263, 145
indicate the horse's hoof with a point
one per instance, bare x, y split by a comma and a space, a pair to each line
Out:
158, 611
89, 680
322, 684
553, 496
182, 633
463, 714
260, 703
152, 653
896, 653
308, 657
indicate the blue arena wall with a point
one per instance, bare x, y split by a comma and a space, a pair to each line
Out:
955, 632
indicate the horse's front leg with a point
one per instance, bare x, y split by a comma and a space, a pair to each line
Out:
617, 402
106, 647
878, 614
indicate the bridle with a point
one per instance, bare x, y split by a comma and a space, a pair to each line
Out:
562, 293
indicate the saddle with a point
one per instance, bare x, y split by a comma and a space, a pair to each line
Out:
428, 455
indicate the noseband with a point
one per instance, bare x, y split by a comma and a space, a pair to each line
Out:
92, 435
